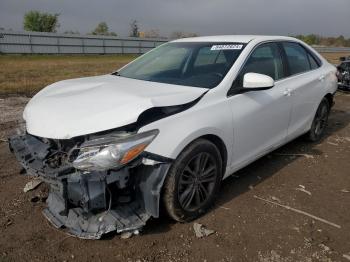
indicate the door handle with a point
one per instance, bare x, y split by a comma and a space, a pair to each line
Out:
287, 92
322, 77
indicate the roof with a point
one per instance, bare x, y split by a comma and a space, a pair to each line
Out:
233, 38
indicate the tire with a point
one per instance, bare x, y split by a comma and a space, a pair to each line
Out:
193, 181
320, 121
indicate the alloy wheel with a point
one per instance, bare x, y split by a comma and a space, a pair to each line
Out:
321, 119
197, 181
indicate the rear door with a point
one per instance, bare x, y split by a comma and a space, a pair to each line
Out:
303, 84
260, 118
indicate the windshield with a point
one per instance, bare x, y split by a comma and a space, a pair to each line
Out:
189, 64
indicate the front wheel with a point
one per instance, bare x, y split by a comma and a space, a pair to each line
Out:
320, 121
193, 181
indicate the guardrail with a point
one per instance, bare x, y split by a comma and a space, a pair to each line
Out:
332, 49
50, 43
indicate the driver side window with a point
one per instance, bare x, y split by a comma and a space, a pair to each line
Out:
265, 59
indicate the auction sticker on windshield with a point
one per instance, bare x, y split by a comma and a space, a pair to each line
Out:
226, 47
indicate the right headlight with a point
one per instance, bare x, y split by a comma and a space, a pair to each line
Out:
112, 152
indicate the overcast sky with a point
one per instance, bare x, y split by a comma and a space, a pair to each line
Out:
279, 17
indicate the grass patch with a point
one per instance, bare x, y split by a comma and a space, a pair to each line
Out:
27, 74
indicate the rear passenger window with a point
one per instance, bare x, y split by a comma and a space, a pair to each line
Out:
265, 59
297, 58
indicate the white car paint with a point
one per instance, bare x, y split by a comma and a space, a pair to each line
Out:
250, 124
252, 79
88, 105
259, 121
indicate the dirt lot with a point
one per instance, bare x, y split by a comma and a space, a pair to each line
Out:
333, 58
247, 229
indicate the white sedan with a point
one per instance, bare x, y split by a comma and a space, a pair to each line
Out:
169, 127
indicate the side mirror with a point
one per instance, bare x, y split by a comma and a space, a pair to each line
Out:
254, 81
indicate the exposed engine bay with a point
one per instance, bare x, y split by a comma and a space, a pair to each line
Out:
98, 183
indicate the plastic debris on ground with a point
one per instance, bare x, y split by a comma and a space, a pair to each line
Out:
201, 231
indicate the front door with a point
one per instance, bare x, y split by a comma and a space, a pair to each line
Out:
260, 118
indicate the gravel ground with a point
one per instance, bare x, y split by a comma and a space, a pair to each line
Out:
11, 114
246, 229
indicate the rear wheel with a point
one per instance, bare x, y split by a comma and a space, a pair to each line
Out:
320, 121
193, 181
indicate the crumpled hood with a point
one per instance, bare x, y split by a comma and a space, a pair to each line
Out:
82, 106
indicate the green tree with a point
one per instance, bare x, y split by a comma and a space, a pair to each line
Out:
312, 39
324, 41
102, 29
40, 22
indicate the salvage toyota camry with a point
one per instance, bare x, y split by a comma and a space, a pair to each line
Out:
166, 129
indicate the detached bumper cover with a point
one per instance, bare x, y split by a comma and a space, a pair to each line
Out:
90, 204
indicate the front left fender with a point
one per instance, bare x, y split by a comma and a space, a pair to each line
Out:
179, 130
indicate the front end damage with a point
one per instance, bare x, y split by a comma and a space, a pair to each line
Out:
91, 201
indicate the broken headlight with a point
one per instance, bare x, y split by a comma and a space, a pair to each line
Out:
112, 151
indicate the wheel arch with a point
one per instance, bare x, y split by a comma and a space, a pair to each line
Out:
219, 143
330, 99
216, 140
167, 203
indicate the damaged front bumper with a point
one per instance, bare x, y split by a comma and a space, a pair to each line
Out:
89, 204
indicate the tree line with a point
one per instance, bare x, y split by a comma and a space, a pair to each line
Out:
45, 22
312, 39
